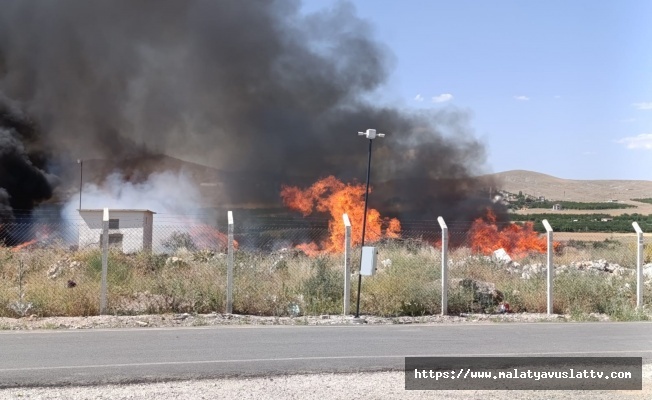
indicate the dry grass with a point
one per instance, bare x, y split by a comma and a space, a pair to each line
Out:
408, 282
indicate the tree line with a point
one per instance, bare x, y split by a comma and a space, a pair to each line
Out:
525, 201
588, 222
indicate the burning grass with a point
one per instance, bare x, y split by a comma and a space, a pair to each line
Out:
332, 196
518, 240
55, 282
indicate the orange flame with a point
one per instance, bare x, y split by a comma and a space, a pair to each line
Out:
310, 249
335, 197
41, 234
23, 245
517, 240
207, 237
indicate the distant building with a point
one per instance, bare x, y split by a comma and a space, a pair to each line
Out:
606, 219
129, 230
556, 207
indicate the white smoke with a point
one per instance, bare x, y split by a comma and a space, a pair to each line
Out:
164, 193
173, 196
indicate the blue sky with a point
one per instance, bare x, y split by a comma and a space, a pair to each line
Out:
558, 87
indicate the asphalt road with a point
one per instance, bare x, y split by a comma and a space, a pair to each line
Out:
53, 358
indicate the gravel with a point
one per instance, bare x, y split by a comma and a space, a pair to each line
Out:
176, 320
377, 385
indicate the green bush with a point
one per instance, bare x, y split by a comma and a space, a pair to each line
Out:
118, 268
324, 290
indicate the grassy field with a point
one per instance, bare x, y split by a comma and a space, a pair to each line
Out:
51, 282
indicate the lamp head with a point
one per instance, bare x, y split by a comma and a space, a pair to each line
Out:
371, 134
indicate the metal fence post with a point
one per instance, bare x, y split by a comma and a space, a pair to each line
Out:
105, 259
347, 264
639, 265
444, 265
551, 271
229, 267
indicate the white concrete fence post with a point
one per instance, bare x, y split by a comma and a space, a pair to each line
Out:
551, 272
105, 259
229, 267
639, 265
444, 265
347, 264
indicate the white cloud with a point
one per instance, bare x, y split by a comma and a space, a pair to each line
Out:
643, 106
522, 98
442, 98
418, 97
642, 141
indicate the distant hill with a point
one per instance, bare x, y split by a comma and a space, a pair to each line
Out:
553, 188
219, 187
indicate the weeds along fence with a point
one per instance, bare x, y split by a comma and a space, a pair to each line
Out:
280, 267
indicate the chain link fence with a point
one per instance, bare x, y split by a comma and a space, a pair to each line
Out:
291, 267
592, 272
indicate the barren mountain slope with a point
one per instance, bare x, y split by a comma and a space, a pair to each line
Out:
553, 188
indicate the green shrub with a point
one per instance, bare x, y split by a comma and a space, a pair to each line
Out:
324, 289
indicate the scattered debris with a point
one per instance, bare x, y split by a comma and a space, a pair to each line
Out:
530, 271
294, 310
502, 256
181, 317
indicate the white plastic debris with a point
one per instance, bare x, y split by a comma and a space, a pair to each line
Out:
502, 256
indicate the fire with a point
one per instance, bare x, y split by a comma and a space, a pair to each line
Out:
207, 237
23, 245
41, 234
337, 198
485, 237
311, 249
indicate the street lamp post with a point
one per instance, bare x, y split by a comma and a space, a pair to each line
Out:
370, 134
81, 175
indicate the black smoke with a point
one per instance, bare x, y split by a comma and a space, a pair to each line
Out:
243, 86
23, 183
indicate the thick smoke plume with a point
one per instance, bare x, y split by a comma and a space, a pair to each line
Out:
253, 87
23, 183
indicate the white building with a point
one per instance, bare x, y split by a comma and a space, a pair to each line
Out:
129, 230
